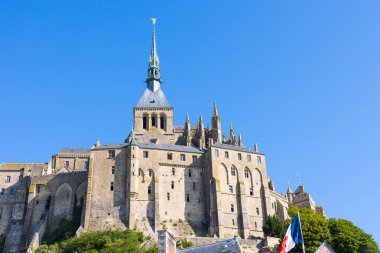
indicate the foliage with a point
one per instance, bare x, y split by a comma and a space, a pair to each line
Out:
102, 242
183, 243
67, 228
2, 242
315, 228
348, 238
274, 227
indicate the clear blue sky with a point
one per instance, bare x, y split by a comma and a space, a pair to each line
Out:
300, 78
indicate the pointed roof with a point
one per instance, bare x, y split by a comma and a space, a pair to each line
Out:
215, 110
153, 99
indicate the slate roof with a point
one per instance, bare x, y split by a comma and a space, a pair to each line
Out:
233, 147
226, 246
74, 151
179, 148
153, 99
111, 146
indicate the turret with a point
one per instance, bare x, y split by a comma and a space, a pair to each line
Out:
216, 126
232, 135
240, 141
201, 134
187, 132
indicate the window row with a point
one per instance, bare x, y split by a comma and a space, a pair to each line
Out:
187, 197
247, 173
11, 192
231, 190
158, 121
239, 156
182, 157
189, 172
85, 164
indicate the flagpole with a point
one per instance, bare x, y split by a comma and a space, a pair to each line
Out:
303, 241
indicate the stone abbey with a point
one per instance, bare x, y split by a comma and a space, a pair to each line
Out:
188, 179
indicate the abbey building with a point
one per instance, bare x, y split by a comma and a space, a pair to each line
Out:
189, 179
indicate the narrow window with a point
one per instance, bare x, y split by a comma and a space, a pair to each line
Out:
11, 192
162, 122
246, 173
259, 159
257, 211
249, 158
111, 153
153, 121
172, 184
189, 172
145, 121
251, 191
168, 196
239, 156
170, 156
232, 208
145, 154
182, 157
233, 222
150, 173
187, 197
149, 189
67, 164
230, 189
226, 155
233, 171
85, 165
195, 158
38, 189
173, 171
255, 224
194, 187
113, 170
111, 187
8, 179
216, 153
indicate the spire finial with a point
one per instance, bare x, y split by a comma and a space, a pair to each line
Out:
215, 110
153, 79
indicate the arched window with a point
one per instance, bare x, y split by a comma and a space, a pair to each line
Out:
145, 122
233, 171
246, 173
162, 121
154, 121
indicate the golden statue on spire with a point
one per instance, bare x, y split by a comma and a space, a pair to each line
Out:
153, 20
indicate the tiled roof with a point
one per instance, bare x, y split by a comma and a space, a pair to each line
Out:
227, 246
153, 99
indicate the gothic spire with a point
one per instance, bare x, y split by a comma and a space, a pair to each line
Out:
240, 141
215, 111
153, 79
187, 131
201, 134
232, 135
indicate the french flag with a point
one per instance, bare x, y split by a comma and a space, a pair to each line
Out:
293, 235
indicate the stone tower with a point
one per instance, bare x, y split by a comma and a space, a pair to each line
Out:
153, 112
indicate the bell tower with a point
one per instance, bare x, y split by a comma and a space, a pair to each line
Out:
153, 111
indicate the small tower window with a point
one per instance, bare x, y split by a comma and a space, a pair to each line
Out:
67, 164
232, 208
251, 191
173, 171
111, 153
145, 122
249, 158
194, 187
259, 159
145, 154
239, 156
189, 172
154, 121
233, 171
162, 122
172, 184
85, 165
257, 211
111, 187
150, 173
168, 196
226, 155
113, 170
216, 153
170, 156
187, 197
149, 189
230, 189
182, 157
233, 222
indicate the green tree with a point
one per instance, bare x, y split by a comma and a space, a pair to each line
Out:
315, 228
2, 242
183, 243
274, 227
347, 238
